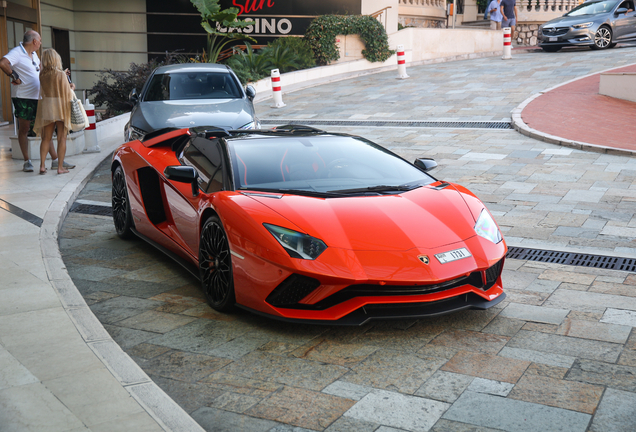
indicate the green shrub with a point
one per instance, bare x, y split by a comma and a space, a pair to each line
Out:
321, 36
297, 47
248, 65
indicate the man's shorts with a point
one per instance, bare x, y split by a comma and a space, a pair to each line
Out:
508, 23
25, 109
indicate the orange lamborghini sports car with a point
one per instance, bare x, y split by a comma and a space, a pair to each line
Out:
303, 225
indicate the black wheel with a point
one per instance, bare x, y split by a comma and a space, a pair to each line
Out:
612, 45
602, 38
550, 49
122, 216
215, 266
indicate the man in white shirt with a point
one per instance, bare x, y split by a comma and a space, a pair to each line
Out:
23, 66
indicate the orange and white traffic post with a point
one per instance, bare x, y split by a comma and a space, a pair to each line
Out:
401, 59
90, 133
507, 44
276, 90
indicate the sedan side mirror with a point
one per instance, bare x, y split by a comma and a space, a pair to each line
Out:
620, 11
183, 174
133, 96
425, 164
250, 91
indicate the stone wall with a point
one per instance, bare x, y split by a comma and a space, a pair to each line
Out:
526, 34
424, 22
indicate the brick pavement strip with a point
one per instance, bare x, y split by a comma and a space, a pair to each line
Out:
558, 353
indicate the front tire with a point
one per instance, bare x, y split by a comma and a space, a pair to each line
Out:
122, 215
602, 38
215, 266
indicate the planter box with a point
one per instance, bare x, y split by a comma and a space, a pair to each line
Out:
75, 142
618, 85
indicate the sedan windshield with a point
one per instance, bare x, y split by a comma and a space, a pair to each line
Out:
329, 164
592, 8
192, 85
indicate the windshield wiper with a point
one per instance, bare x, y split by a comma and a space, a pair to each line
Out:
294, 192
379, 189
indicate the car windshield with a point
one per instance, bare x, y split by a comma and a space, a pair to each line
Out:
192, 85
592, 8
330, 164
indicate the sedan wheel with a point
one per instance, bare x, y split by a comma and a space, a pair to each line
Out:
122, 216
602, 38
215, 266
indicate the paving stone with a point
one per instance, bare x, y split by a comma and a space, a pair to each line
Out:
496, 388
564, 345
147, 351
393, 371
444, 425
534, 313
486, 366
334, 353
237, 348
396, 410
564, 276
300, 407
471, 341
590, 302
543, 286
217, 420
226, 382
128, 338
190, 396
611, 375
537, 357
120, 308
347, 390
348, 424
620, 317
546, 370
504, 326
234, 402
612, 288
517, 280
558, 393
616, 412
513, 415
444, 386
595, 331
183, 366
540, 327
284, 370
526, 297
157, 322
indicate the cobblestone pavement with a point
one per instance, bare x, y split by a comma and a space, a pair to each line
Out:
558, 354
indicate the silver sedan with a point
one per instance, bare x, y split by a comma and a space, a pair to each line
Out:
599, 24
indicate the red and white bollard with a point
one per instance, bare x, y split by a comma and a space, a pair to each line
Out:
507, 47
90, 133
276, 90
401, 58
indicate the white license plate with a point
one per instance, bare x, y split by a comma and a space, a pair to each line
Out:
453, 255
553, 39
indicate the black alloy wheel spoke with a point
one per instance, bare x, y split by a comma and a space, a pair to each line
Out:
214, 265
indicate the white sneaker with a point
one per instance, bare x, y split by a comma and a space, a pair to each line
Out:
28, 166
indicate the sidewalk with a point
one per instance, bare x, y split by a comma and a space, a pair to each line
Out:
59, 368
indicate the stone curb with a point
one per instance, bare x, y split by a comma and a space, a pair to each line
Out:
521, 127
166, 412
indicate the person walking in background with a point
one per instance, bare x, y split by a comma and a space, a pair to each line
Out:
54, 108
509, 13
495, 14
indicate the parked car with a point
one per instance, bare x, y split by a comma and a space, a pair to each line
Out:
599, 24
190, 95
304, 225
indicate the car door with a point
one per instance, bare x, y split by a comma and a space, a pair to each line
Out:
625, 24
206, 157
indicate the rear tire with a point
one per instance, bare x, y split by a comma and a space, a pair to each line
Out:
122, 215
602, 38
215, 266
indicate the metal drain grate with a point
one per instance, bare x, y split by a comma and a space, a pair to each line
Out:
575, 259
91, 209
397, 123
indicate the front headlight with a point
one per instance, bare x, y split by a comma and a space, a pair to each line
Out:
584, 25
487, 228
134, 133
251, 125
297, 245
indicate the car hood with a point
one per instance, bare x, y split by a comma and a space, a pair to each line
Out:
225, 113
572, 20
422, 218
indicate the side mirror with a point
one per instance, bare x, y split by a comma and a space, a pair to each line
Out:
133, 96
425, 164
250, 91
620, 11
183, 174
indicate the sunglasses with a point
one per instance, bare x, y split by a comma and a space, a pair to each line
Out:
37, 69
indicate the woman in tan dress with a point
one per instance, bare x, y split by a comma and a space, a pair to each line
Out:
54, 108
